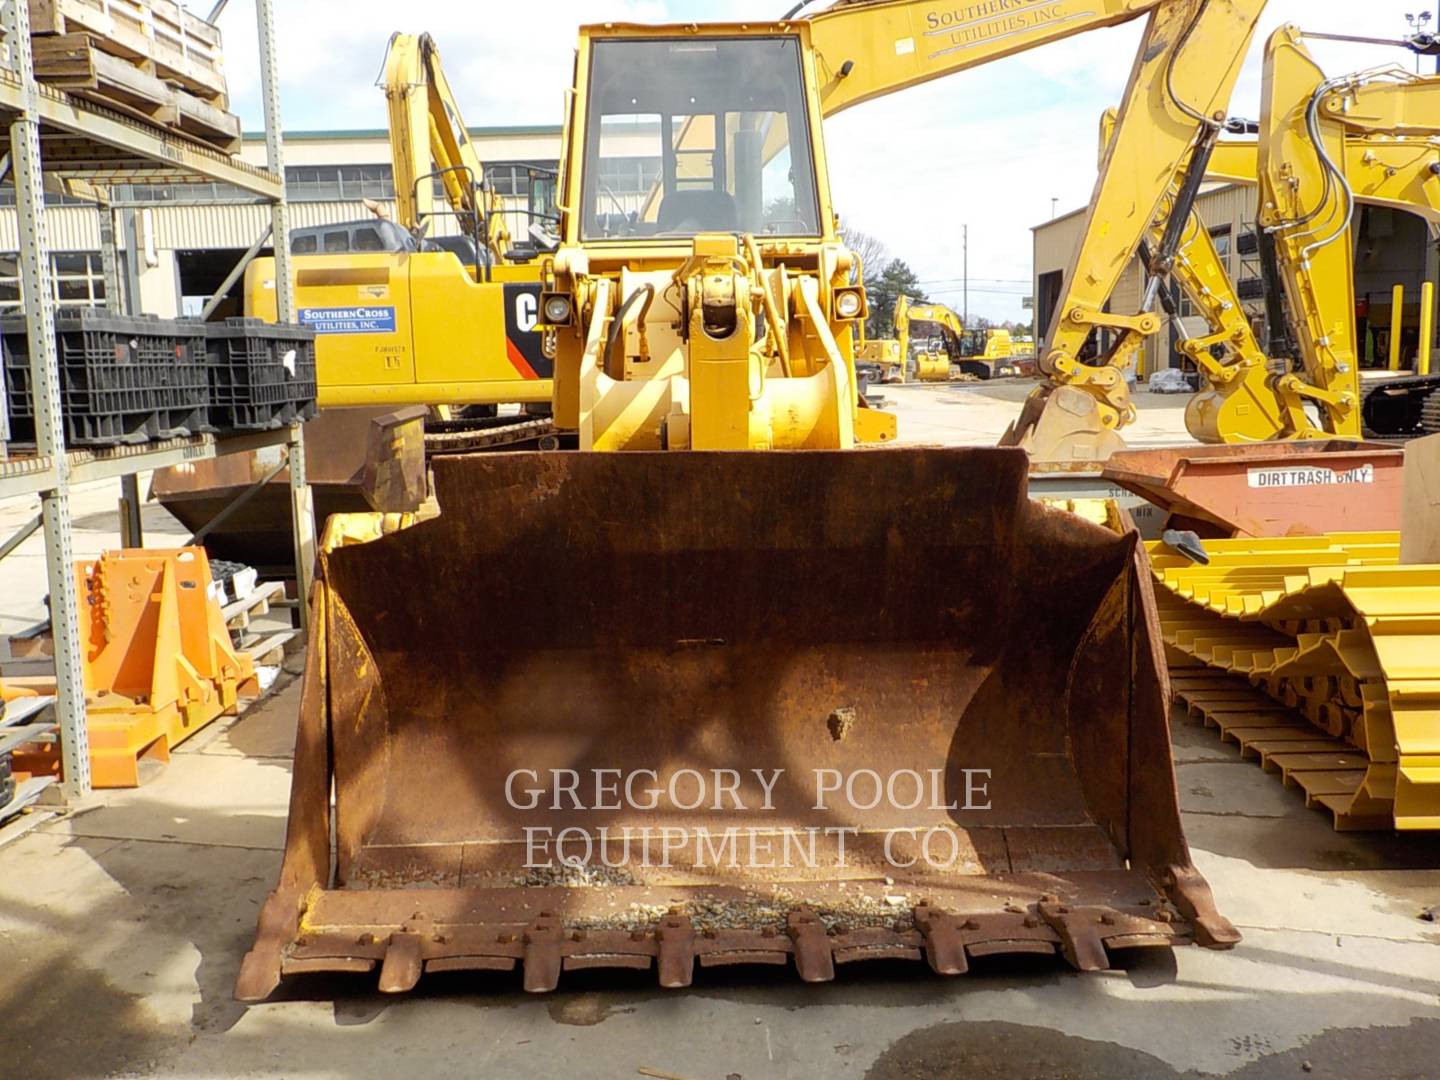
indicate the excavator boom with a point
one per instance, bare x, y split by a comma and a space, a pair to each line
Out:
429, 140
866, 50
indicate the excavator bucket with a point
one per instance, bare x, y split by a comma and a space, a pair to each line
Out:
1062, 423
654, 710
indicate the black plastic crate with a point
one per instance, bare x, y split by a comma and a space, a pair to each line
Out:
183, 389
262, 375
123, 378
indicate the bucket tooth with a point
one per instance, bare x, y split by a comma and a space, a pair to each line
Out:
1081, 942
403, 964
814, 960
1191, 894
259, 976
542, 955
676, 938
944, 942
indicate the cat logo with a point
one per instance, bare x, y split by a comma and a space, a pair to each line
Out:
522, 340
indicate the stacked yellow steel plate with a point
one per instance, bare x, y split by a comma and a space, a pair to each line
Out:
1321, 657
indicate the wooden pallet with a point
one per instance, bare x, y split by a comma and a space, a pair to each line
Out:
160, 36
79, 64
270, 649
238, 613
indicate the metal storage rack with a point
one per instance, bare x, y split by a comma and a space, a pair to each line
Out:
47, 132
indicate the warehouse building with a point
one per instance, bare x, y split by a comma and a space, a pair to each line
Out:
1392, 248
178, 241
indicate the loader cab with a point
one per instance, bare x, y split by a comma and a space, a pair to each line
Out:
682, 135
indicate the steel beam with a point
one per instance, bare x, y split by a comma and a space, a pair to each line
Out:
302, 505
20, 535
235, 272
37, 290
132, 529
134, 143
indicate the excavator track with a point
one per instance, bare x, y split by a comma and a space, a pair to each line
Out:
1430, 415
1319, 655
1403, 408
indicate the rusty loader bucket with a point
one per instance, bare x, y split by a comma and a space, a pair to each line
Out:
660, 710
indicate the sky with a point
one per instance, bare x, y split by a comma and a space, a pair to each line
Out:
988, 148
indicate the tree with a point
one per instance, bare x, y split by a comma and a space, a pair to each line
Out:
870, 249
884, 289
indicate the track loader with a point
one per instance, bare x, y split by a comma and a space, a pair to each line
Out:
628, 709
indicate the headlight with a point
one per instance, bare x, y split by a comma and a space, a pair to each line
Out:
849, 303
556, 308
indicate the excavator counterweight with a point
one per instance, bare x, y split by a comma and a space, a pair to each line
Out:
650, 722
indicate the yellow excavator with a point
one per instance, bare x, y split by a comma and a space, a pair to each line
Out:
421, 323
1326, 146
425, 324
942, 344
629, 709
931, 341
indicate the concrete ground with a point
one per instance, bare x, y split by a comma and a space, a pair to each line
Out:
976, 414
122, 927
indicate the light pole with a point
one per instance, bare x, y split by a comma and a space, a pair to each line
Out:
965, 243
1418, 23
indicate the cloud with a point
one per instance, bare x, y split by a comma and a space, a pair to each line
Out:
508, 62
989, 148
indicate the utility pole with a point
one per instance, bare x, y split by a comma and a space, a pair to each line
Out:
965, 234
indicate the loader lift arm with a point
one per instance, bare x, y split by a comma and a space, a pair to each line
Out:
426, 127
1174, 105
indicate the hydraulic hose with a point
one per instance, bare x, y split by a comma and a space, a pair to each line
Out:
617, 325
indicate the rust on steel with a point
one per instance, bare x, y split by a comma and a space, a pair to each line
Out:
791, 618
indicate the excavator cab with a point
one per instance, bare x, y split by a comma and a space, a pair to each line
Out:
626, 707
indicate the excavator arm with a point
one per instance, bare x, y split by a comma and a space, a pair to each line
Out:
902, 326
1326, 146
1238, 405
1189, 59
1387, 119
428, 138
1306, 207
